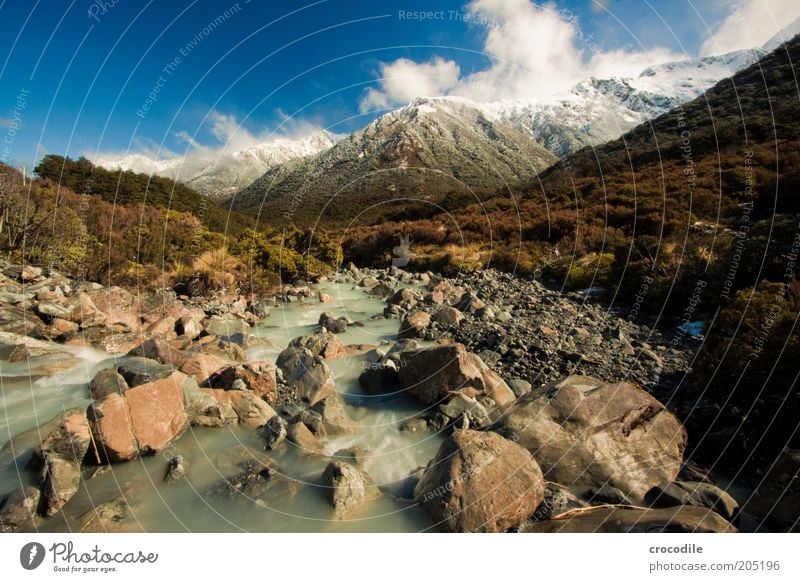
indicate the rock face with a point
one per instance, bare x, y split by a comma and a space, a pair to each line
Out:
144, 420
308, 374
777, 499
348, 488
435, 375
59, 459
583, 432
684, 519
480, 482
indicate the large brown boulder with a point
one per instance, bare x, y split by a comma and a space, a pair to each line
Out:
584, 432
683, 519
435, 375
308, 374
59, 459
143, 420
480, 482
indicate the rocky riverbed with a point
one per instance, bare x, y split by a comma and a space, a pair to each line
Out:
366, 401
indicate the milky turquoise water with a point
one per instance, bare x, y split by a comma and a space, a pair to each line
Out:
294, 501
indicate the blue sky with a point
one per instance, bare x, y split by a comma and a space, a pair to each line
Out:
81, 76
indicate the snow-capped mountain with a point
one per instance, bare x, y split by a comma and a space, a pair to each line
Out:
598, 110
216, 175
429, 153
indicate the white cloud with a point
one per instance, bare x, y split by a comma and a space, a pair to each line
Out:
751, 23
404, 80
536, 51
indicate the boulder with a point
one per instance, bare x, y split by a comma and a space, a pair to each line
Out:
405, 298
106, 382
274, 432
176, 469
308, 374
144, 420
348, 488
202, 366
163, 328
460, 405
161, 351
299, 434
259, 376
138, 371
684, 519
250, 409
85, 312
188, 327
697, 494
325, 298
120, 307
226, 326
435, 375
323, 344
381, 289
448, 316
777, 498
59, 460
469, 302
18, 508
333, 324
414, 325
62, 329
23, 273
112, 517
583, 432
480, 482
333, 416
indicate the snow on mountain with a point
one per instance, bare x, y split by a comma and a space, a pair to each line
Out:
598, 110
217, 175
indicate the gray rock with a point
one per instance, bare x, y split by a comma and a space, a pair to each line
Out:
106, 382
274, 432
348, 488
137, 371
585, 434
176, 469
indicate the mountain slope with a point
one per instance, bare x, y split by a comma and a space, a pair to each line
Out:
412, 160
137, 189
218, 176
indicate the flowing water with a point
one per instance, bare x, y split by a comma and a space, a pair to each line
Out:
36, 390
